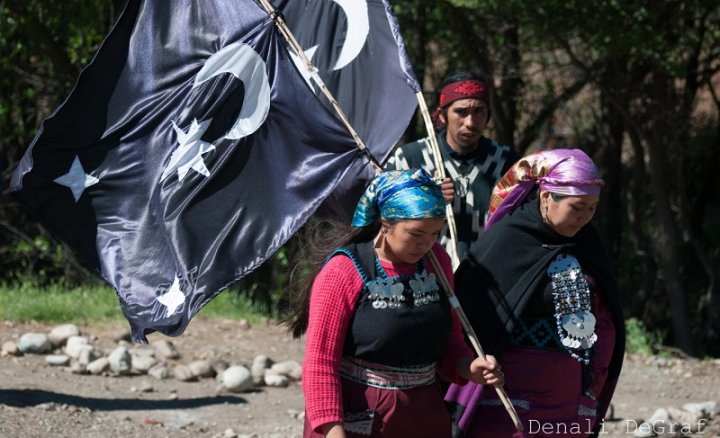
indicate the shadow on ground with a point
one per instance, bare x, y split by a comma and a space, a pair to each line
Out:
32, 397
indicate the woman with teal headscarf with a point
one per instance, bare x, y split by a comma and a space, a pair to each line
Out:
379, 327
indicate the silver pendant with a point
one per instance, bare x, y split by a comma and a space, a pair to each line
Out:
425, 288
385, 293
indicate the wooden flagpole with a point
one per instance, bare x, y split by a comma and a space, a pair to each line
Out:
290, 38
452, 298
437, 157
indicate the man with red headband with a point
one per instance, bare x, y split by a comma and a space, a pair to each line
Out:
472, 162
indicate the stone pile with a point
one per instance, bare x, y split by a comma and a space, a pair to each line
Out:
66, 347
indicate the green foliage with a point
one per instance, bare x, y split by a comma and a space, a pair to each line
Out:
232, 304
639, 339
43, 47
57, 303
645, 67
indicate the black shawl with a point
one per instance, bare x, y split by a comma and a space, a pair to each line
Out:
508, 263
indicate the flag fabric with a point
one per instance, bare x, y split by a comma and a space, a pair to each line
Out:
358, 51
188, 152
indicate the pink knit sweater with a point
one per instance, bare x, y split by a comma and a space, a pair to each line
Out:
333, 299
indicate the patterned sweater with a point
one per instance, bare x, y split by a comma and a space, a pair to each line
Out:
475, 174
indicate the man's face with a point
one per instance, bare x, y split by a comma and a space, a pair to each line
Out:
465, 120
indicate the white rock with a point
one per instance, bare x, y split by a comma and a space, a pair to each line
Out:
165, 350
57, 359
120, 361
74, 344
703, 410
60, 334
290, 368
260, 363
87, 355
201, 368
98, 366
682, 416
141, 352
142, 363
683, 420
10, 348
659, 415
277, 380
159, 371
658, 422
34, 343
237, 378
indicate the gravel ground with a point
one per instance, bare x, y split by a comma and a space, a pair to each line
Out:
37, 400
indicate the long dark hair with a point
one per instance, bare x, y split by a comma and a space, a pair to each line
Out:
317, 241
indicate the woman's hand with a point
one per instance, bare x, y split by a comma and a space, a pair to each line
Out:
482, 371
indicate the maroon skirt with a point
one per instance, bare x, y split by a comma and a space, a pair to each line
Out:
417, 412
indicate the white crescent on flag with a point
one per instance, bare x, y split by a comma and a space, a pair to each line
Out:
245, 64
358, 28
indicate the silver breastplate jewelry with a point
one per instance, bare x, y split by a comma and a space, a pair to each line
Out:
424, 288
573, 307
388, 292
385, 293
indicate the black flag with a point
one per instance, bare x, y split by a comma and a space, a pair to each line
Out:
188, 152
358, 51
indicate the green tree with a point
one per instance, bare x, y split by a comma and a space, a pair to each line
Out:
634, 83
43, 47
629, 86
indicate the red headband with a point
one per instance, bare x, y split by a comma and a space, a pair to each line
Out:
470, 89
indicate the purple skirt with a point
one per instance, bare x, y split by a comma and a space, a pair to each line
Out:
545, 388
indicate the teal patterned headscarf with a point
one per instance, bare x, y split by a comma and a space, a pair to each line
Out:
400, 194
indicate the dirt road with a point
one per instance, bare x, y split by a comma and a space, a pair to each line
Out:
39, 400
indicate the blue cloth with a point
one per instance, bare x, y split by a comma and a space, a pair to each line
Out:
400, 194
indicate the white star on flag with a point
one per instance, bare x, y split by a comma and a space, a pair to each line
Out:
302, 67
76, 179
188, 154
173, 298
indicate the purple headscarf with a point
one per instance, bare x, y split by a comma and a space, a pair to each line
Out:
563, 171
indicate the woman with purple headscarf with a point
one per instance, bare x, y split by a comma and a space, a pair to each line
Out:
539, 290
